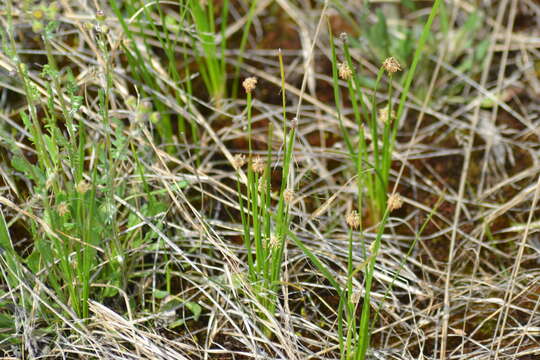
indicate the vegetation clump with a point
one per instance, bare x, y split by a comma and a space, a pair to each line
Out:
231, 179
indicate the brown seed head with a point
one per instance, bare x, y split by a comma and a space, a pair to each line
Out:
394, 202
288, 196
294, 123
391, 65
82, 187
353, 220
238, 161
385, 115
62, 208
258, 165
250, 84
274, 241
344, 71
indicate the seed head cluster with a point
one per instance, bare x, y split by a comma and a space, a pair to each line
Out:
344, 71
395, 202
62, 208
238, 161
353, 219
288, 196
258, 165
294, 123
82, 187
250, 84
274, 241
385, 115
391, 65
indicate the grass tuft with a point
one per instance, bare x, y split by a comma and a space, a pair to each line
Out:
233, 179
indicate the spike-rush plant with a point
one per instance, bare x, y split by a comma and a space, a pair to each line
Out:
371, 155
265, 225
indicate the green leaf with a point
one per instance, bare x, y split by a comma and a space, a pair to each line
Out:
409, 4
182, 184
5, 239
154, 209
171, 303
6, 321
7, 252
51, 148
26, 121
110, 292
49, 72
160, 294
177, 323
33, 261
107, 211
22, 165
481, 49
315, 260
195, 308
50, 29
